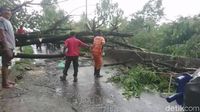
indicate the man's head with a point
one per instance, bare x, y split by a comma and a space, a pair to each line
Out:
98, 33
21, 26
72, 34
5, 12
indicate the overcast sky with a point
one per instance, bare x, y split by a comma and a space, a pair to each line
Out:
173, 8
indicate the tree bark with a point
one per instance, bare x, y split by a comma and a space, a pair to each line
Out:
23, 40
38, 56
159, 64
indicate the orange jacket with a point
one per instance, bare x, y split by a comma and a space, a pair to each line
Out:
98, 43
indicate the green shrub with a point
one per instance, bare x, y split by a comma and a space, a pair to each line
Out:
27, 50
139, 79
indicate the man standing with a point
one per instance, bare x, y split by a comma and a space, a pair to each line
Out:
21, 31
73, 44
7, 45
97, 49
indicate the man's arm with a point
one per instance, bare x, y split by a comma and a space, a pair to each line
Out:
65, 46
2, 34
2, 39
103, 41
84, 44
64, 49
8, 53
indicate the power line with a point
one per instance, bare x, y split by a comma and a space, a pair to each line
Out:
48, 3
82, 6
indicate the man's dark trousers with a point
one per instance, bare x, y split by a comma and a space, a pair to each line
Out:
68, 61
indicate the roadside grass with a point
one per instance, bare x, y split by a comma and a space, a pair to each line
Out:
21, 66
27, 50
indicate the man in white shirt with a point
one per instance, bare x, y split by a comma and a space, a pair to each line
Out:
7, 45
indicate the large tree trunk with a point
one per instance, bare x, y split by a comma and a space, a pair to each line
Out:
23, 40
38, 56
156, 60
34, 35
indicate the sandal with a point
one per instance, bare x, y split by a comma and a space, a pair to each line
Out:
7, 86
11, 82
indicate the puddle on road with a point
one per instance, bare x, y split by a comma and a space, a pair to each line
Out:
59, 91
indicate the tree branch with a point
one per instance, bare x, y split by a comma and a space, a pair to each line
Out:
19, 7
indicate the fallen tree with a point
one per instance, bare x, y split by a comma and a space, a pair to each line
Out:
160, 62
23, 40
35, 35
156, 65
38, 56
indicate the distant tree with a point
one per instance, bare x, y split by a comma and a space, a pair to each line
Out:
148, 17
107, 16
80, 25
21, 14
152, 11
181, 37
144, 25
52, 18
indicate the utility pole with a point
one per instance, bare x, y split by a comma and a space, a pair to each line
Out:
86, 6
86, 18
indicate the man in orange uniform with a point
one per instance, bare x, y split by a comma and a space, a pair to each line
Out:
97, 49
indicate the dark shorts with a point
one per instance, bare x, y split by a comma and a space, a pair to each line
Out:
6, 61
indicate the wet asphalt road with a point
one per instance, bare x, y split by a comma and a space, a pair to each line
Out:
42, 91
